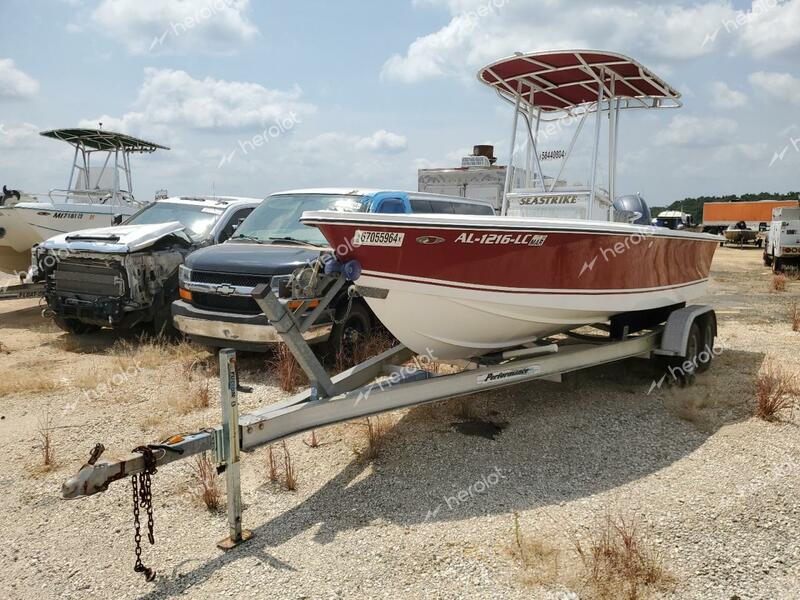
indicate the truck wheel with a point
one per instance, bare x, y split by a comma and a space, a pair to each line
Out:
777, 265
353, 328
74, 326
767, 259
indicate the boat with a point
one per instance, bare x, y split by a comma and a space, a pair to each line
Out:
740, 233
675, 219
557, 256
99, 193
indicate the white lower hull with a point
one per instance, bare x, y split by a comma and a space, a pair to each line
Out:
452, 323
29, 223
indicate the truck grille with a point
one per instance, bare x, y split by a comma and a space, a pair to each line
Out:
232, 304
229, 278
89, 278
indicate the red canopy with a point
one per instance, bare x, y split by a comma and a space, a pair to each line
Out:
561, 80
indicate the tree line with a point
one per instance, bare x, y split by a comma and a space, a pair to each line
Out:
694, 206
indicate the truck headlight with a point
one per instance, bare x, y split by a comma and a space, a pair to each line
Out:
184, 275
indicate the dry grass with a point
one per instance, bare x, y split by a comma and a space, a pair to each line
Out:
205, 473
376, 430
16, 381
289, 472
287, 370
794, 316
44, 431
313, 442
272, 466
364, 348
539, 558
617, 562
613, 562
147, 352
779, 282
776, 391
4, 349
197, 397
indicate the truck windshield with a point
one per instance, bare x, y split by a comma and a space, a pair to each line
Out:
197, 219
278, 217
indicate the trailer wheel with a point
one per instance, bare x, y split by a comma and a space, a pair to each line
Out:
74, 326
706, 353
677, 364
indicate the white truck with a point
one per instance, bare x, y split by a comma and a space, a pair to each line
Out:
783, 239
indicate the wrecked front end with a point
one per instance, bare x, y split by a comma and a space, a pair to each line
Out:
112, 289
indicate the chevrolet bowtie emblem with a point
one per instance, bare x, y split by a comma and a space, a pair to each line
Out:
226, 290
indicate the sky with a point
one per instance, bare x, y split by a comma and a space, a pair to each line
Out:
254, 97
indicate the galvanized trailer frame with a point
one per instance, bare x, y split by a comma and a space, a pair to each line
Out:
377, 385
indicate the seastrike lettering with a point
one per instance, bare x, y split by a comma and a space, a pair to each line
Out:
516, 239
546, 200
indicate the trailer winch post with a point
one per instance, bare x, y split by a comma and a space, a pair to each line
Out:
231, 449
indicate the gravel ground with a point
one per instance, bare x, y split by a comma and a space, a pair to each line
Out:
716, 493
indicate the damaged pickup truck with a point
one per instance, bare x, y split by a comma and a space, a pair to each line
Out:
127, 275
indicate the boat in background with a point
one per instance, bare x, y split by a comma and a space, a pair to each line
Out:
99, 194
558, 255
739, 233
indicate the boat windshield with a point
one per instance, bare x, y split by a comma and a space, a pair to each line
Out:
197, 219
277, 219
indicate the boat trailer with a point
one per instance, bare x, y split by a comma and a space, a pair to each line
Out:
380, 384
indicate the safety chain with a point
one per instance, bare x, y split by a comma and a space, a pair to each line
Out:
143, 497
346, 311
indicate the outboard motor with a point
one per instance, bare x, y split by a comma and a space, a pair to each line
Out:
8, 194
632, 209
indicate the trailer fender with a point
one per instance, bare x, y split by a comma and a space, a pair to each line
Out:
676, 331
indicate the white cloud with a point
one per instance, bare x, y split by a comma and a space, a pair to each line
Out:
653, 31
469, 41
383, 141
331, 145
173, 98
770, 27
15, 84
693, 131
781, 86
16, 136
723, 96
175, 26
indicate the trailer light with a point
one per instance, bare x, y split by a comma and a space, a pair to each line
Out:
185, 294
295, 304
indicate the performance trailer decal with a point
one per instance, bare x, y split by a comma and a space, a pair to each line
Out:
509, 375
378, 238
517, 239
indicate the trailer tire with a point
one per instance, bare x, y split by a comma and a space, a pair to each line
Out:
706, 354
75, 327
676, 365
